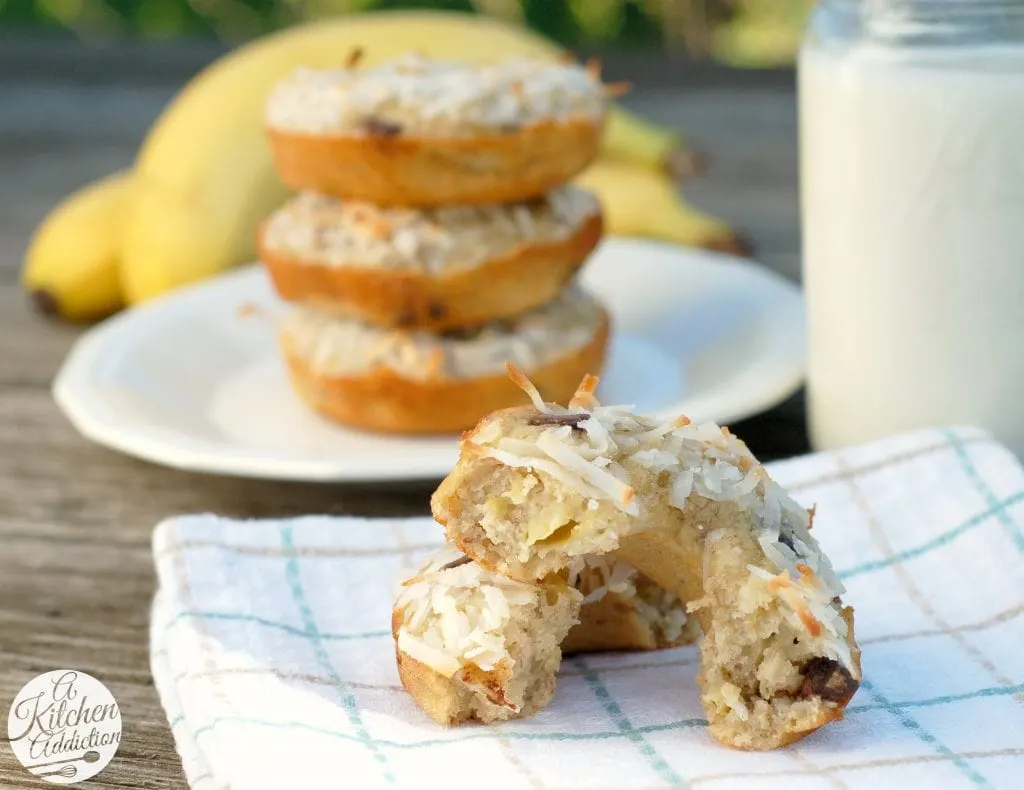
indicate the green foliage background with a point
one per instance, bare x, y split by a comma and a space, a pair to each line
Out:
741, 32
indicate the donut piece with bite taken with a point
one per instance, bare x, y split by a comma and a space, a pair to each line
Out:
693, 510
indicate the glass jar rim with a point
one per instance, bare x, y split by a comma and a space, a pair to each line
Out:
933, 21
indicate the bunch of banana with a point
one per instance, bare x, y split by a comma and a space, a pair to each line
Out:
203, 179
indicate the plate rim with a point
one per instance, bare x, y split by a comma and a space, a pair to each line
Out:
77, 396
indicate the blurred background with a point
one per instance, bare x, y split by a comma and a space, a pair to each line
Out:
83, 81
745, 33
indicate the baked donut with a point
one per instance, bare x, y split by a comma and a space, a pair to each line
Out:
436, 269
690, 508
417, 382
472, 645
624, 610
423, 132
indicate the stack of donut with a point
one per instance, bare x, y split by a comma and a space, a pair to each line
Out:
433, 237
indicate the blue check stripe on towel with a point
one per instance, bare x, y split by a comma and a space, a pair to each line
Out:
273, 658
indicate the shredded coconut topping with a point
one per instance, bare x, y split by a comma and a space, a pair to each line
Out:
327, 231
436, 98
705, 461
595, 576
455, 612
337, 346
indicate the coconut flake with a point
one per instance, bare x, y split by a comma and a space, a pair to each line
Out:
437, 660
746, 485
552, 468
655, 459
733, 698
595, 595
772, 518
584, 395
520, 380
608, 484
682, 487
622, 575
600, 437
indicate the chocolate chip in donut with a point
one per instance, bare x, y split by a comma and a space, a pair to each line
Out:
786, 539
380, 127
827, 679
462, 333
572, 420
464, 560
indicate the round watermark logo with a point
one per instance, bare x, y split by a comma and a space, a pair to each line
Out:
64, 726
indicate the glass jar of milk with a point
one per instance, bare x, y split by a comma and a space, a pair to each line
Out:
912, 190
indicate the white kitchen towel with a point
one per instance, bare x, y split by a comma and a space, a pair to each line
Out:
272, 654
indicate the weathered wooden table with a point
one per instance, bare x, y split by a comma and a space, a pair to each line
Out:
75, 519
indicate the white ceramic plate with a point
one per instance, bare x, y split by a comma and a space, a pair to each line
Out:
190, 381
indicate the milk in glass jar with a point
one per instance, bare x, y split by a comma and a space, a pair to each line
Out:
912, 191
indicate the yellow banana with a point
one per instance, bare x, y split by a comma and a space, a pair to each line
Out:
638, 201
72, 261
204, 175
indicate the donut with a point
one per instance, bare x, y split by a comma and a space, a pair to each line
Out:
424, 132
472, 645
437, 269
693, 510
417, 382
